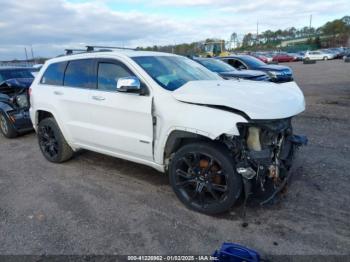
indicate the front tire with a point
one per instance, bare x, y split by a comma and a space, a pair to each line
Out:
6, 127
52, 143
325, 58
203, 177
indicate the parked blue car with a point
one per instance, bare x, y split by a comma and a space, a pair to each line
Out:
228, 72
277, 73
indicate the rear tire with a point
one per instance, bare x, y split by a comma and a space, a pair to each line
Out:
52, 142
325, 58
203, 177
6, 127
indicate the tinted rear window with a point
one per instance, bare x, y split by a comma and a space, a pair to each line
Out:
54, 74
79, 73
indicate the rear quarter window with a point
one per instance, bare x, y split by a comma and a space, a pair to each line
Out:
54, 74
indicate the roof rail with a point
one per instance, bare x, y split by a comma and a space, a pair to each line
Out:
91, 48
71, 51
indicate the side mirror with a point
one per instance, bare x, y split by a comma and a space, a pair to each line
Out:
129, 84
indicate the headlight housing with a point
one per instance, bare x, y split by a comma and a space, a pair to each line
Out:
273, 74
22, 101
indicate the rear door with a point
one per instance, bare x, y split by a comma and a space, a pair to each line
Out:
121, 122
318, 55
74, 99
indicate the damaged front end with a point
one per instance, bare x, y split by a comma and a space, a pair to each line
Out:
263, 154
14, 103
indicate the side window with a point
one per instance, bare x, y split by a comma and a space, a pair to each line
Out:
231, 62
79, 73
109, 73
239, 65
54, 74
236, 64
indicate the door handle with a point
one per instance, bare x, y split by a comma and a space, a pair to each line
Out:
98, 98
58, 93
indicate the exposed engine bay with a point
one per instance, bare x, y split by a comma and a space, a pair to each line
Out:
263, 154
15, 91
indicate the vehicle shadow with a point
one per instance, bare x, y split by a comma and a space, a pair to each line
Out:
126, 168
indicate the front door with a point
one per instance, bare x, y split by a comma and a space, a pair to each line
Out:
121, 122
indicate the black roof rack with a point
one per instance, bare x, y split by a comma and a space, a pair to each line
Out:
91, 48
71, 51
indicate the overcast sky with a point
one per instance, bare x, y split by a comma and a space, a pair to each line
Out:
52, 25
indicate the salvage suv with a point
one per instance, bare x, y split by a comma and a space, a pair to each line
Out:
216, 139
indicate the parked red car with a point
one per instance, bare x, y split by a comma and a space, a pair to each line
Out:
262, 58
283, 58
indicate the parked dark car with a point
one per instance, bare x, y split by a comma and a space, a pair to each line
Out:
338, 52
14, 101
346, 57
228, 72
277, 73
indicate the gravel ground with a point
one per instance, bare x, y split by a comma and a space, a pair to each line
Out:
101, 205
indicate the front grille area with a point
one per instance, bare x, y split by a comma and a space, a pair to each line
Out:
265, 145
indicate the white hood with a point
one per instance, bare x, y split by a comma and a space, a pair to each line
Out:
259, 100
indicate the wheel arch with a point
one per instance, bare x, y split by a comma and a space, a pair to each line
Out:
178, 138
42, 114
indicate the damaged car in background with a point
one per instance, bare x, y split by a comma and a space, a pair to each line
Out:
216, 139
14, 101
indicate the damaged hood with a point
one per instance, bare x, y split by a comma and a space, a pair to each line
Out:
22, 83
258, 100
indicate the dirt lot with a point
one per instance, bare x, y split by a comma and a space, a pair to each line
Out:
100, 205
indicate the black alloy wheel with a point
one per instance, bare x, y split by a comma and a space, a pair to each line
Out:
203, 177
52, 143
48, 141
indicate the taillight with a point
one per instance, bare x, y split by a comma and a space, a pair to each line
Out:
30, 91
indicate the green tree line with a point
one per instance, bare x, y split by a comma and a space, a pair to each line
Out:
333, 33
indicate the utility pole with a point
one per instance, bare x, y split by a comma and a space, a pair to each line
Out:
310, 21
257, 32
31, 50
25, 50
310, 25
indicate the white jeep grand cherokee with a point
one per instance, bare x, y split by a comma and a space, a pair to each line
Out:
217, 139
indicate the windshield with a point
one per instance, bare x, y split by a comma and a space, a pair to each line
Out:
252, 61
216, 65
14, 73
172, 72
